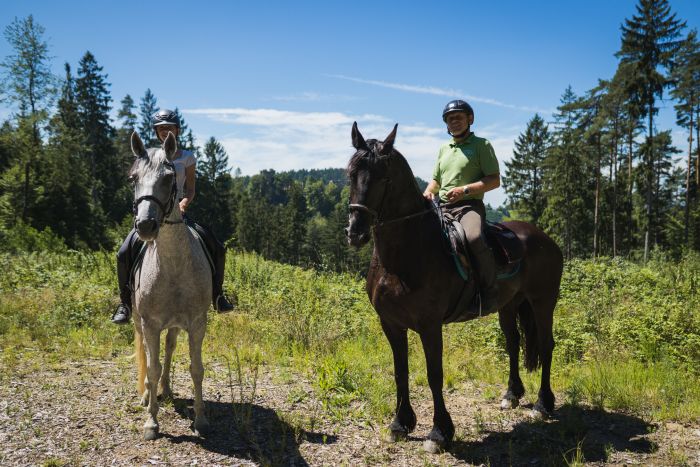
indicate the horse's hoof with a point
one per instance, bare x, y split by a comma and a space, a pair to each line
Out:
149, 434
539, 411
436, 442
394, 436
202, 428
508, 404
433, 447
166, 396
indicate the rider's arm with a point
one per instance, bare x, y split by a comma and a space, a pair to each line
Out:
431, 190
487, 183
189, 187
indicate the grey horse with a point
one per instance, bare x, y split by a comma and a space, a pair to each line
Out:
172, 286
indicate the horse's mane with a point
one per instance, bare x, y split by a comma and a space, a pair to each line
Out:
370, 158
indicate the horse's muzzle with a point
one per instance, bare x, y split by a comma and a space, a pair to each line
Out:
356, 239
147, 229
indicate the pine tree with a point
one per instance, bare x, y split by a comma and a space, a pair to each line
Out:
66, 202
106, 174
523, 177
213, 200
148, 106
686, 77
27, 82
126, 113
649, 44
567, 184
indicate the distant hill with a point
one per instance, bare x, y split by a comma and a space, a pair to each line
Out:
337, 176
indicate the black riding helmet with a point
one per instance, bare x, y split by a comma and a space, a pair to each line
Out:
165, 117
456, 106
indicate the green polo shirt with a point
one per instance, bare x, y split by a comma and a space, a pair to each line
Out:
463, 163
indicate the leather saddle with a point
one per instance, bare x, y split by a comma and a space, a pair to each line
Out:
507, 249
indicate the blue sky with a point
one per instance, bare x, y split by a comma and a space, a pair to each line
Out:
280, 83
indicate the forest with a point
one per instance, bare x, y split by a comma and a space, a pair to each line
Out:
603, 179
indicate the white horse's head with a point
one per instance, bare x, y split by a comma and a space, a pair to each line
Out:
155, 186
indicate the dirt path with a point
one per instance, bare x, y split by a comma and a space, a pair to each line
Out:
86, 413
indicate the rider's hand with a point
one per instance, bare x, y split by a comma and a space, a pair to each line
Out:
429, 195
456, 193
183, 205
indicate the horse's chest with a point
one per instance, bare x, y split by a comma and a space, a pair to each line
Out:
389, 288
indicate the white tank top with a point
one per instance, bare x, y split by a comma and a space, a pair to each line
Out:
184, 160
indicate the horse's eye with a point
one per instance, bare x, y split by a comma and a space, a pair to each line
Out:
132, 179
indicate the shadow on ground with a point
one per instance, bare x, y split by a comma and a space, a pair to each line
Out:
571, 434
249, 431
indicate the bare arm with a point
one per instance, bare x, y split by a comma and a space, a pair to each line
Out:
189, 188
431, 190
488, 183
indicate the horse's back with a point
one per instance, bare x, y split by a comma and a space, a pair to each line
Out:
543, 261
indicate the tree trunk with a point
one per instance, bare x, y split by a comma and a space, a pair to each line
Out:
687, 179
650, 181
597, 200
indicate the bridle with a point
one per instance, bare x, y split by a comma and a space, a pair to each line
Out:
166, 209
377, 222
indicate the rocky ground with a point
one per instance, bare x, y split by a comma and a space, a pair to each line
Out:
87, 413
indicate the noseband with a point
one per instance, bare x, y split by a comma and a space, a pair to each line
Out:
165, 209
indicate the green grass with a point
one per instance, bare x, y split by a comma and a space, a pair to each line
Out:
628, 336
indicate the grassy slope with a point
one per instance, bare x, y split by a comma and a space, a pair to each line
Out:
628, 337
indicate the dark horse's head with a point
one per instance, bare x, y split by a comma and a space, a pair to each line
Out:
155, 187
369, 175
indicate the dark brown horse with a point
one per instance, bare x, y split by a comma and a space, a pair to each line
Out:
413, 283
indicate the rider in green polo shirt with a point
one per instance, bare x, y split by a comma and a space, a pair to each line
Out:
467, 168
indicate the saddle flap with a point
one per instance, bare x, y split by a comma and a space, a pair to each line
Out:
506, 246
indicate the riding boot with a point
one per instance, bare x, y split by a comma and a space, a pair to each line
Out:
125, 261
486, 271
220, 301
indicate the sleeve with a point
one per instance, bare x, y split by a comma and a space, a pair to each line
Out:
436, 169
488, 161
189, 159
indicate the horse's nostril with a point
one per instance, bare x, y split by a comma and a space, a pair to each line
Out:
146, 226
347, 231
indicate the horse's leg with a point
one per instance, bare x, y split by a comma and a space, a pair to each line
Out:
443, 428
140, 354
152, 340
543, 310
196, 336
170, 343
405, 418
509, 326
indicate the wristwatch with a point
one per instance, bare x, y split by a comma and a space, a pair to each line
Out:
466, 189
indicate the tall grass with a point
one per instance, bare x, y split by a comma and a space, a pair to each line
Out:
628, 336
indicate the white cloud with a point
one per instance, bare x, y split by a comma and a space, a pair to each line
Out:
283, 140
313, 97
454, 93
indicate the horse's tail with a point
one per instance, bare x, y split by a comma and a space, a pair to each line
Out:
140, 361
529, 330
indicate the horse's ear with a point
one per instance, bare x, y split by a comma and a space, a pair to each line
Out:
137, 146
170, 146
357, 140
388, 143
